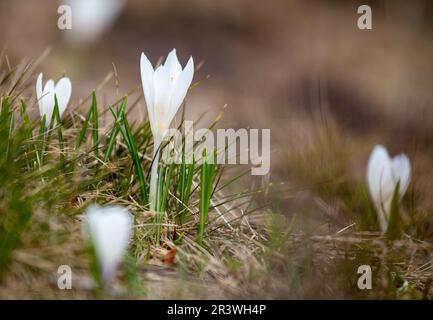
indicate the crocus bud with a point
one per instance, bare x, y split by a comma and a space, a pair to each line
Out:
383, 174
45, 95
109, 229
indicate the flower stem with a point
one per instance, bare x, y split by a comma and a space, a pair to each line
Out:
154, 178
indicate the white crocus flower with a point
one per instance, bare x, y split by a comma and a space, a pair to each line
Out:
109, 229
383, 174
45, 95
91, 19
164, 91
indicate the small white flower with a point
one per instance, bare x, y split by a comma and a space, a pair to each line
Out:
109, 229
164, 91
383, 174
45, 96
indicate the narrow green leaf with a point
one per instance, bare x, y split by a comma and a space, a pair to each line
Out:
115, 130
83, 130
130, 142
59, 131
95, 129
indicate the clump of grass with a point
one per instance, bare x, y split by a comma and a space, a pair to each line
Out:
207, 177
16, 208
58, 170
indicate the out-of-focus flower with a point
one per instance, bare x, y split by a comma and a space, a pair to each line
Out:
383, 174
109, 229
45, 95
91, 19
164, 91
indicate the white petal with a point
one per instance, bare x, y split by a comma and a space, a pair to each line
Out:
39, 94
378, 171
63, 92
162, 94
380, 182
148, 85
47, 101
401, 172
173, 66
180, 89
39, 86
109, 229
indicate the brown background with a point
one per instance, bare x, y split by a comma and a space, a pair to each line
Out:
274, 63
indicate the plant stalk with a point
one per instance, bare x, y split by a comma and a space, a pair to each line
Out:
154, 177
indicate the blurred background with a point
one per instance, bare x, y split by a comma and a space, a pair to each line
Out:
292, 66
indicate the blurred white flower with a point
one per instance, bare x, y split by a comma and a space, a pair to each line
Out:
45, 96
164, 91
383, 174
109, 229
91, 18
